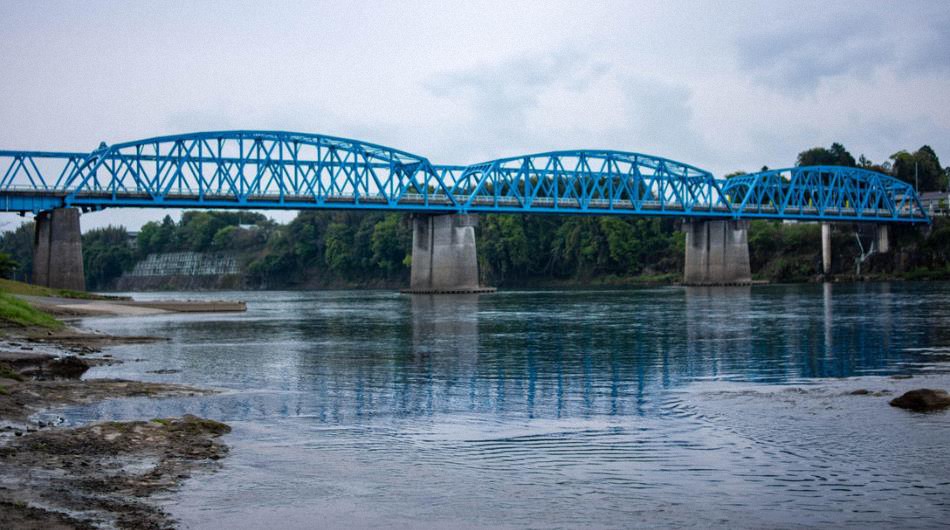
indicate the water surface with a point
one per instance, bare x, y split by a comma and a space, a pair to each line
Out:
662, 407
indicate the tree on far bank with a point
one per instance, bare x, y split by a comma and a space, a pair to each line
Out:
921, 168
836, 155
18, 244
7, 266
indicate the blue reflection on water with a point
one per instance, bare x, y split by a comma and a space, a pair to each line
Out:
559, 407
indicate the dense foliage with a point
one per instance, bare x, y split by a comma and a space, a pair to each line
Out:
7, 266
921, 168
18, 245
198, 231
106, 254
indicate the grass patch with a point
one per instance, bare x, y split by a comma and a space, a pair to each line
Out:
7, 372
16, 311
4, 391
25, 289
927, 274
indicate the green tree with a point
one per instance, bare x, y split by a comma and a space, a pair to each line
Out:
7, 266
338, 249
836, 155
921, 168
390, 243
106, 255
18, 244
503, 247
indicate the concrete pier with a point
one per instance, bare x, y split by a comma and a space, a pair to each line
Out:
883, 241
826, 248
717, 253
443, 255
57, 250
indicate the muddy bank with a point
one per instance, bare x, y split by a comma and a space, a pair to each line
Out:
95, 475
102, 474
21, 399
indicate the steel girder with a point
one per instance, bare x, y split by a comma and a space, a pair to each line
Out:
824, 193
589, 181
285, 170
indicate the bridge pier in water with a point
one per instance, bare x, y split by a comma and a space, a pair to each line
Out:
717, 253
57, 250
882, 244
444, 259
883, 241
826, 248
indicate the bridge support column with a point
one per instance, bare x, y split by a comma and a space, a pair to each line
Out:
57, 250
883, 241
826, 248
443, 255
717, 253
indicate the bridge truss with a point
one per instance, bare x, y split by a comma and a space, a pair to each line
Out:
285, 170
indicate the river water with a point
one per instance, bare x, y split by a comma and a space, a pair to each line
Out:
658, 407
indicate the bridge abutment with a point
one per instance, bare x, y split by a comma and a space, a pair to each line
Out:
444, 259
717, 253
57, 250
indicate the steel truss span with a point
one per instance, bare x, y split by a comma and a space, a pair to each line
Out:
286, 170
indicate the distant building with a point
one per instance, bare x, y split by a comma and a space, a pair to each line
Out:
936, 202
133, 239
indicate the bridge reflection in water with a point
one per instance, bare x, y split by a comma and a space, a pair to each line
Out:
565, 408
534, 354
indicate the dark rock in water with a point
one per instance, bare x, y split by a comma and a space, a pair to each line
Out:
20, 365
923, 400
860, 392
70, 367
163, 371
902, 376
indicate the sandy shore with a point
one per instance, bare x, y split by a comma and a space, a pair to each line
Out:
119, 307
93, 476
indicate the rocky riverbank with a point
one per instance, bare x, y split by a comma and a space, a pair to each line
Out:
53, 476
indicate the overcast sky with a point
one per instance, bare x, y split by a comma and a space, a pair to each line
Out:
720, 85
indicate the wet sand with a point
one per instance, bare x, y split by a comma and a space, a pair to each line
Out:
67, 307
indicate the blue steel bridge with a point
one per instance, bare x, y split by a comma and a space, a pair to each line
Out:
284, 170
297, 171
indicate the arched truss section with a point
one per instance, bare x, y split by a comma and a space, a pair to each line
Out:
286, 170
591, 181
823, 193
266, 169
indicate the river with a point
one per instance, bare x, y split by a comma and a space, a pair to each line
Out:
658, 407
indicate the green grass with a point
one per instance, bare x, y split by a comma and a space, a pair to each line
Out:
16, 311
7, 372
927, 274
25, 289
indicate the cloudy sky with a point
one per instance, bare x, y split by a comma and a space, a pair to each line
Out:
721, 85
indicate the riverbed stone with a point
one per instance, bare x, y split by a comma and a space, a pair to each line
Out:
922, 400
